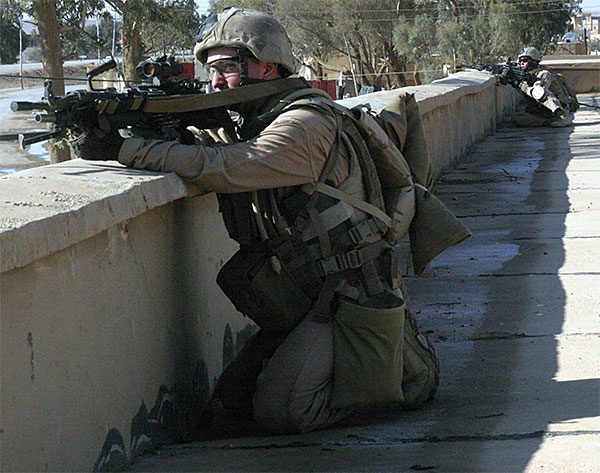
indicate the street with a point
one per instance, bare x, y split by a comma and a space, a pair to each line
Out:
33, 66
12, 158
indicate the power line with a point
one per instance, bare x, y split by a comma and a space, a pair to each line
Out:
383, 20
416, 9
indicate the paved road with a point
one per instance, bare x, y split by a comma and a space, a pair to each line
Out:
515, 315
13, 159
34, 66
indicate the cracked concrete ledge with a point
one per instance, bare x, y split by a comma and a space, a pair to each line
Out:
46, 209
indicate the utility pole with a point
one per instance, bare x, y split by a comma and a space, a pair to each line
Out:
112, 53
98, 36
21, 49
351, 65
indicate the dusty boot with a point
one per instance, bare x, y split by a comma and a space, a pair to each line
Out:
237, 383
421, 374
563, 120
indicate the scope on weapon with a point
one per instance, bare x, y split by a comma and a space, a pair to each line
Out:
161, 68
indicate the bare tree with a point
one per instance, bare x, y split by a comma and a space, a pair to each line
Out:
49, 33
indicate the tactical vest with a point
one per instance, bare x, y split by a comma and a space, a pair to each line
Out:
295, 239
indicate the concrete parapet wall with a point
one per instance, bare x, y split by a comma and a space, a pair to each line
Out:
581, 72
456, 111
109, 306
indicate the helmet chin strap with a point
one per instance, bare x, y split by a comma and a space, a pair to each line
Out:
244, 55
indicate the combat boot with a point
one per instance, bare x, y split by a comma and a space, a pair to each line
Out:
421, 374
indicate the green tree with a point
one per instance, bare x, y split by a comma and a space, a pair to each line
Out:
476, 30
153, 26
325, 29
9, 33
415, 39
94, 43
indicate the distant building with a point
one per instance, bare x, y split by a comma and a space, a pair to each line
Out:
588, 24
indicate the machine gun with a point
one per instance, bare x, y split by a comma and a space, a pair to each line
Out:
140, 109
161, 110
508, 73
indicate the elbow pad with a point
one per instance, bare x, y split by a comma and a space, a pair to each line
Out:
538, 92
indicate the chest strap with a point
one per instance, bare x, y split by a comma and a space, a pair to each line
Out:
350, 200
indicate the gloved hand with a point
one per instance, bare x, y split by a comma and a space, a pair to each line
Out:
523, 86
99, 145
504, 77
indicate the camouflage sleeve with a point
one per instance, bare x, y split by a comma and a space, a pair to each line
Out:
291, 151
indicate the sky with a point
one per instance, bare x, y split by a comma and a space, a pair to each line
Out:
588, 6
203, 5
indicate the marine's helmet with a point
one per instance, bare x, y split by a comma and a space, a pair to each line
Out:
530, 52
257, 32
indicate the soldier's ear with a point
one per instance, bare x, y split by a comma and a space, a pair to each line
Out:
271, 70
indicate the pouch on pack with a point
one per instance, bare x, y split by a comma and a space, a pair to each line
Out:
272, 300
368, 353
393, 171
570, 96
433, 229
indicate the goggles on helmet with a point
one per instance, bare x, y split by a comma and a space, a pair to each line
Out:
223, 67
205, 27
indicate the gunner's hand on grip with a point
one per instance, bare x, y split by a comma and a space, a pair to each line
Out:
99, 145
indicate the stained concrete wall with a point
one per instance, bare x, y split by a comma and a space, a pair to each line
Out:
109, 307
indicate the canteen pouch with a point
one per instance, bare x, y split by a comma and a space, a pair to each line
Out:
368, 343
400, 204
433, 229
272, 300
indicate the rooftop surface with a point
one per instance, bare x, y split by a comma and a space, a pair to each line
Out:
514, 313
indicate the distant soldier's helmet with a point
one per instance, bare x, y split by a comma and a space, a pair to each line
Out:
530, 52
258, 32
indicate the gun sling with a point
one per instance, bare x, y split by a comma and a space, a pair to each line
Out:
196, 102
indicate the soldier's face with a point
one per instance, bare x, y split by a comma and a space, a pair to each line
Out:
524, 63
224, 68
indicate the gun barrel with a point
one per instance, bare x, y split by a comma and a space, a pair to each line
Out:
25, 140
45, 117
18, 106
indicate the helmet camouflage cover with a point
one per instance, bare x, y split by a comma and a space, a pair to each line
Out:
258, 32
531, 52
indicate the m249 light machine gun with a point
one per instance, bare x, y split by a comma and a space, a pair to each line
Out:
508, 73
142, 109
162, 110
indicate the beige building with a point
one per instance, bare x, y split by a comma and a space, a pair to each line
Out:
588, 22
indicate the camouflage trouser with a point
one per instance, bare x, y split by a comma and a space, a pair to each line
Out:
293, 391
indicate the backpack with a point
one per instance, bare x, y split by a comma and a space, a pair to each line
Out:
398, 150
567, 93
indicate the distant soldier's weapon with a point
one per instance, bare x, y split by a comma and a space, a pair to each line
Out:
508, 73
163, 109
